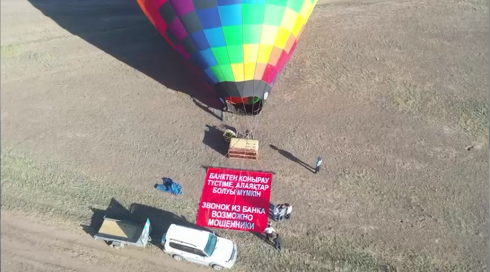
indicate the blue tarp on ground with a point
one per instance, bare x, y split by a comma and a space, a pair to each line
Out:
170, 186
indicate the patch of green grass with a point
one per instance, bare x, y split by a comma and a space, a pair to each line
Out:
473, 118
9, 51
338, 253
352, 178
314, 252
16, 52
51, 192
362, 188
460, 220
468, 116
409, 99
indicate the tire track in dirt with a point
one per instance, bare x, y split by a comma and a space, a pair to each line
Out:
31, 246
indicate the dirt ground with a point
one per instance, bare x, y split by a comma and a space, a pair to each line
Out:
31, 246
393, 95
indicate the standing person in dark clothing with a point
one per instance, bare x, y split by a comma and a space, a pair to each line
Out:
224, 109
278, 242
318, 164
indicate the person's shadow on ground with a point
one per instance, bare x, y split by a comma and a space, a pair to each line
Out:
264, 238
293, 158
121, 29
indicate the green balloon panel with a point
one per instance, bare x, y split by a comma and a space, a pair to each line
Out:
239, 46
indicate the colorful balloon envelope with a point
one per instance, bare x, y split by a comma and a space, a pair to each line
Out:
239, 46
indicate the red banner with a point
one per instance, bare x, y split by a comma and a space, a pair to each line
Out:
235, 199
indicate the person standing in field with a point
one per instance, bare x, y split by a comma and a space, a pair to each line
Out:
282, 212
269, 231
275, 213
318, 164
278, 242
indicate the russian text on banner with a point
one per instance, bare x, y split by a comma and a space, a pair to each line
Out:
235, 199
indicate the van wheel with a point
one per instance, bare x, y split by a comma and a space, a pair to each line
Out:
116, 246
178, 258
217, 267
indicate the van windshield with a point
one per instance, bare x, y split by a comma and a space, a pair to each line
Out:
209, 249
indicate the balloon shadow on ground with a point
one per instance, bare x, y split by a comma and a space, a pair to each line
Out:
138, 213
121, 29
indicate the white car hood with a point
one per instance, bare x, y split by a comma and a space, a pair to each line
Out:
223, 250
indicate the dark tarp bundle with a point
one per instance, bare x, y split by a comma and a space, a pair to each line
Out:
169, 186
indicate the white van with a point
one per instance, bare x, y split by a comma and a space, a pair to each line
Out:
198, 246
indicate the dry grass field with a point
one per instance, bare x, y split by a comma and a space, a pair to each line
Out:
393, 95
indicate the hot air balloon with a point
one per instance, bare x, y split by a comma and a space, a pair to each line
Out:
238, 46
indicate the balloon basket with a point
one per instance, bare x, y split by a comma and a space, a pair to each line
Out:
241, 148
242, 109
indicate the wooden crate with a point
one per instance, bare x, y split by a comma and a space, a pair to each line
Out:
243, 149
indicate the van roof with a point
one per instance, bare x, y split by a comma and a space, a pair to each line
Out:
198, 238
